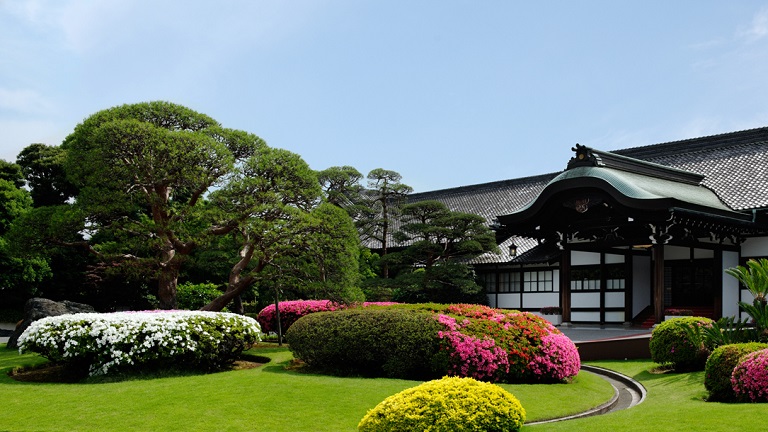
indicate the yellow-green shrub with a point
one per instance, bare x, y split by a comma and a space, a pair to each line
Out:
450, 404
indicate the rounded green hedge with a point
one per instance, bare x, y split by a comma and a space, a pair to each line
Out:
450, 404
720, 365
394, 343
671, 345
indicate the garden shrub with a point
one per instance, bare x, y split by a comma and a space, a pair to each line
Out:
450, 404
292, 310
671, 345
458, 340
750, 377
719, 368
370, 342
102, 343
191, 296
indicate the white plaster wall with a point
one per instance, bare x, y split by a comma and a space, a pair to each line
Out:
615, 317
755, 247
614, 299
730, 285
581, 300
703, 253
614, 259
539, 300
492, 300
585, 316
641, 283
509, 301
584, 258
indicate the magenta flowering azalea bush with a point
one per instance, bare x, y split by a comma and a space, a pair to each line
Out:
462, 340
750, 377
470, 356
559, 358
502, 346
292, 310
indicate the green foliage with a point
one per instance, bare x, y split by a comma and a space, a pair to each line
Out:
445, 282
754, 276
758, 311
43, 168
449, 404
719, 367
13, 203
192, 296
12, 173
370, 342
670, 344
725, 331
141, 170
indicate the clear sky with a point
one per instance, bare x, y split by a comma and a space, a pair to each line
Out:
446, 92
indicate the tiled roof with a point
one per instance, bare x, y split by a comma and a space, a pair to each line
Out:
735, 166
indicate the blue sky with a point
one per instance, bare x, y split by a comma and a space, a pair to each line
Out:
447, 93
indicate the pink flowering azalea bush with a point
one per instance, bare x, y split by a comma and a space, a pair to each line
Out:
497, 345
461, 340
292, 310
750, 377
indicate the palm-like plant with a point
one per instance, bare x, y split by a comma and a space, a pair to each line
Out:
754, 277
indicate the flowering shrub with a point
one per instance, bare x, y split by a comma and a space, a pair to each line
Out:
430, 341
449, 404
471, 356
719, 368
559, 358
671, 344
750, 377
103, 342
520, 335
292, 310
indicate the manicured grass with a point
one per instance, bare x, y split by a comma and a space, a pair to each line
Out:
269, 398
675, 402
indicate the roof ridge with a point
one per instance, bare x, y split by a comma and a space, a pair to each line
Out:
730, 139
488, 185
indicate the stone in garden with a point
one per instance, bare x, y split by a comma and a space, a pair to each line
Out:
37, 308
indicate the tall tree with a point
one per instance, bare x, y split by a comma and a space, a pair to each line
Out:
342, 188
43, 168
278, 193
143, 169
439, 240
383, 197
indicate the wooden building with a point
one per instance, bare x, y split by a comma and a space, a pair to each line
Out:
622, 236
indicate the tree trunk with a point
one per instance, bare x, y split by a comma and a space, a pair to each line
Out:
167, 283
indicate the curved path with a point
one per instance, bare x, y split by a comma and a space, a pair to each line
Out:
626, 394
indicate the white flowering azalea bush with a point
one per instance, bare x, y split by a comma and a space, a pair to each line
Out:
107, 342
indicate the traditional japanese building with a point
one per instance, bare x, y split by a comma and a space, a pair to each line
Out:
621, 236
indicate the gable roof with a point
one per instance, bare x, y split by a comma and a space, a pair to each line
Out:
734, 166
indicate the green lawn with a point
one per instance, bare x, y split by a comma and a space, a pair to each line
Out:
270, 398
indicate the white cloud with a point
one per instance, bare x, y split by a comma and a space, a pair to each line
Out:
758, 29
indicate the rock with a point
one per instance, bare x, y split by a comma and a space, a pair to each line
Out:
37, 308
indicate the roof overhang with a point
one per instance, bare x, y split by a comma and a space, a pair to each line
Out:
600, 190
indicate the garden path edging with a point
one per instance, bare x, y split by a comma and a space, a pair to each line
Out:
626, 393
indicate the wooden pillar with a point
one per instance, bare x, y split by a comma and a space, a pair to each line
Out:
658, 282
718, 283
565, 284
